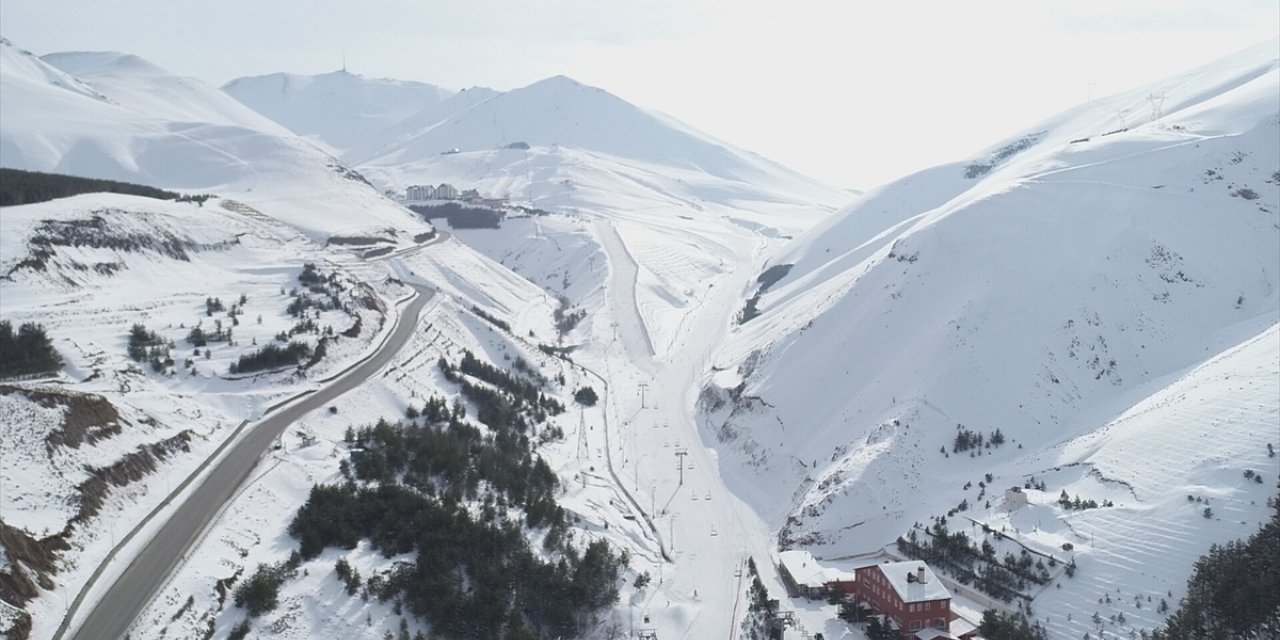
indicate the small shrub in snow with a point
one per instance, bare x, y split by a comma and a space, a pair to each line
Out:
586, 396
260, 593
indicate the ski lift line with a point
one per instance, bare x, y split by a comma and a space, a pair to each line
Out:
666, 556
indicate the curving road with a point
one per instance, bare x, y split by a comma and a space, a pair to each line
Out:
112, 616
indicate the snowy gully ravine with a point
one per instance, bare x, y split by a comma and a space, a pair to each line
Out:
653, 446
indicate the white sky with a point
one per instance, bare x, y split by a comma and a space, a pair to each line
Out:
854, 93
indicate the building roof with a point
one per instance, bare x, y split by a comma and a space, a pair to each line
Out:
838, 575
933, 634
910, 590
960, 627
803, 567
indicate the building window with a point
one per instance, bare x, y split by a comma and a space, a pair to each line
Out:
915, 625
939, 623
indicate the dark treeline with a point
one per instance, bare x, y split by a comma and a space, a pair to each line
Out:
461, 217
26, 352
1234, 591
28, 187
492, 319
271, 357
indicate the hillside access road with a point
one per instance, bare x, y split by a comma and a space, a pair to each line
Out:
115, 612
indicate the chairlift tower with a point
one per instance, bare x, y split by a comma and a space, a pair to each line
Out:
680, 454
583, 451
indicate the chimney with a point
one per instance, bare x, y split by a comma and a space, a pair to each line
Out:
920, 575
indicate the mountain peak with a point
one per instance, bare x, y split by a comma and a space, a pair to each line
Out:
338, 109
89, 63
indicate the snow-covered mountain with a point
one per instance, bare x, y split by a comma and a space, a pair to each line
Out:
336, 110
591, 127
116, 116
1078, 286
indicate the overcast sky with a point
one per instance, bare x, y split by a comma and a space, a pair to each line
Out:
854, 93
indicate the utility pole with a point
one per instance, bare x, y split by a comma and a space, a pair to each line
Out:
1157, 105
680, 454
671, 532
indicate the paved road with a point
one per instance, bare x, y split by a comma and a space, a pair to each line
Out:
116, 611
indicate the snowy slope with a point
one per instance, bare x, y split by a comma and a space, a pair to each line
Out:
91, 266
116, 116
1045, 288
335, 110
401, 132
132, 81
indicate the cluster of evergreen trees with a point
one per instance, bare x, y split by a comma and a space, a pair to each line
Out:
1010, 626
566, 319
1076, 504
454, 461
198, 337
271, 357
322, 292
260, 592
970, 564
475, 576
145, 345
1234, 590
27, 351
967, 439
511, 401
759, 624
586, 396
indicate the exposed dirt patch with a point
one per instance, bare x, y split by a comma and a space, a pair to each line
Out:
31, 562
357, 240
88, 417
129, 468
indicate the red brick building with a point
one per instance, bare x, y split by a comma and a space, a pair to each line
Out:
909, 594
